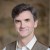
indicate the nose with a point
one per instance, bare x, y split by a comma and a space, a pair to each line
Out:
22, 25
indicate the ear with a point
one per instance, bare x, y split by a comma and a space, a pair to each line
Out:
36, 23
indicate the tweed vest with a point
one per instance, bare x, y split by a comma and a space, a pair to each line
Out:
37, 46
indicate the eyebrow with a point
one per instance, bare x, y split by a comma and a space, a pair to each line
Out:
20, 20
27, 19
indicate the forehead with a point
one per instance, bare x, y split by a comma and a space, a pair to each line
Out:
24, 15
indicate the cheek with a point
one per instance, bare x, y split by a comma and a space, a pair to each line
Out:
31, 25
17, 26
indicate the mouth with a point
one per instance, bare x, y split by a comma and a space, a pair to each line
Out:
23, 30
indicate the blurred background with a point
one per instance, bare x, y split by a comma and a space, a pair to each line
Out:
7, 29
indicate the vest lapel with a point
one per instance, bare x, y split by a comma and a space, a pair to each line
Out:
39, 46
34, 47
11, 46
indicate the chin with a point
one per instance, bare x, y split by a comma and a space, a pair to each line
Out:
24, 36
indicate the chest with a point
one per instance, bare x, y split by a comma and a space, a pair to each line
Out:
37, 46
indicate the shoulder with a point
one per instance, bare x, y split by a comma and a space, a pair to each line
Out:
42, 45
10, 45
39, 46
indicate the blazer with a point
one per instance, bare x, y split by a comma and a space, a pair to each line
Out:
37, 46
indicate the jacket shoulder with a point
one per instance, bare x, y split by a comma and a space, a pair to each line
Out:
11, 46
39, 46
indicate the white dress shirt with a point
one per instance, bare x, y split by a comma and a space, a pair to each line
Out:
29, 45
48, 49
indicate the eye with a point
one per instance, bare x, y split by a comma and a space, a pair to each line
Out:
17, 21
27, 20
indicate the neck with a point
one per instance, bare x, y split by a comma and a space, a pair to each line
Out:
26, 40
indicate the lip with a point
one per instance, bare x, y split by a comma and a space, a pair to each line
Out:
23, 30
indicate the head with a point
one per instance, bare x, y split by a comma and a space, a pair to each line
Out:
25, 19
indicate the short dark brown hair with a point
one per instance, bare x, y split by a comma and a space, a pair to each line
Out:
24, 7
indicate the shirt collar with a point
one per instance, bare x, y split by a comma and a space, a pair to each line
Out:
31, 43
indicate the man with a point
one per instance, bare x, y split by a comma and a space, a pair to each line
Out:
25, 20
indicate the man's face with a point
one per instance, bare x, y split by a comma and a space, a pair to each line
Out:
24, 23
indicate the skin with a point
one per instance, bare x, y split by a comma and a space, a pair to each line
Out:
25, 25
